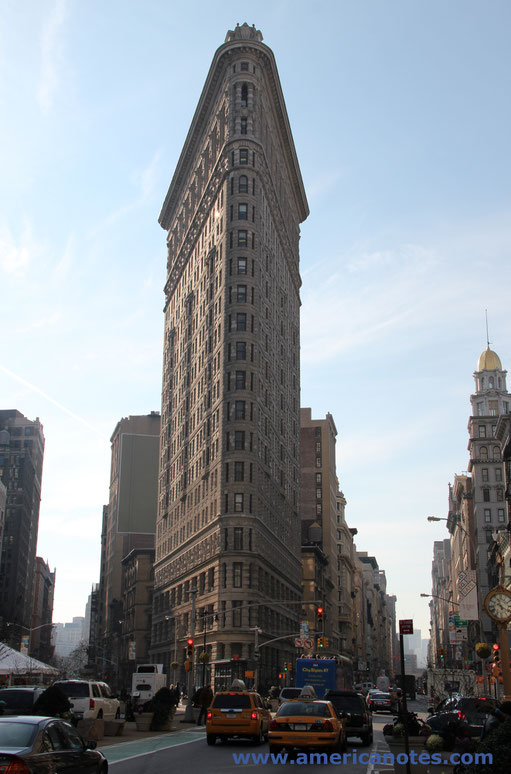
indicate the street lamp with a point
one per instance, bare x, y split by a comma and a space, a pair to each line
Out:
444, 599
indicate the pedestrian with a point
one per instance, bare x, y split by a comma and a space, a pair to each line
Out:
495, 717
205, 698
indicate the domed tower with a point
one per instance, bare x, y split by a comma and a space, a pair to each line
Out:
490, 400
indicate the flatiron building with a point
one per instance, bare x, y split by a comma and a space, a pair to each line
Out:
227, 559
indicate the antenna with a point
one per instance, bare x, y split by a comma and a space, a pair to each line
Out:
487, 335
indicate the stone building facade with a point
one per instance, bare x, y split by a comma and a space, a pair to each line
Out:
227, 542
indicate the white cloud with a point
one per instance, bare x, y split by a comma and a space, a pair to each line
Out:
16, 254
51, 55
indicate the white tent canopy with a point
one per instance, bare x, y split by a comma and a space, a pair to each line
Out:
12, 662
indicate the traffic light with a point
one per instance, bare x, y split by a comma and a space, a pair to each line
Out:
290, 666
442, 653
320, 642
496, 653
188, 666
320, 616
325, 642
189, 647
285, 666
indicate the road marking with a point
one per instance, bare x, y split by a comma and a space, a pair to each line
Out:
120, 752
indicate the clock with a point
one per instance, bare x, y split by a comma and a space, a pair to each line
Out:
498, 604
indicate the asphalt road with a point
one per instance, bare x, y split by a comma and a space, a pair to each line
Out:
186, 752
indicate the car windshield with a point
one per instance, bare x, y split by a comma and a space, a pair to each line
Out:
18, 699
231, 701
74, 690
16, 735
290, 693
318, 709
347, 703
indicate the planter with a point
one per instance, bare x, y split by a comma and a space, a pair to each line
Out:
397, 747
143, 721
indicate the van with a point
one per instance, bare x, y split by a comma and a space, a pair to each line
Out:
291, 694
146, 681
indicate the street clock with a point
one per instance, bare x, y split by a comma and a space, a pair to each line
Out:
497, 604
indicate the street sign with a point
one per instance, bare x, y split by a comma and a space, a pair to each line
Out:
298, 642
406, 626
308, 643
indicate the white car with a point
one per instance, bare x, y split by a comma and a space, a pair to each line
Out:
90, 699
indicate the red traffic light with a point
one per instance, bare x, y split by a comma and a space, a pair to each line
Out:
189, 641
495, 646
320, 610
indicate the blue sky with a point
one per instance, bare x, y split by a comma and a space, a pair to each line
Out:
400, 114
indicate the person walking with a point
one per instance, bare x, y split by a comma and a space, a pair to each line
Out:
205, 697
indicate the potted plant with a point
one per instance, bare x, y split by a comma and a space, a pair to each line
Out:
163, 708
204, 658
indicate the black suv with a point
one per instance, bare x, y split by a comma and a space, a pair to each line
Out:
19, 700
352, 706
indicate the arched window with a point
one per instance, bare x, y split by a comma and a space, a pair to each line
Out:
491, 382
244, 95
484, 452
496, 453
243, 184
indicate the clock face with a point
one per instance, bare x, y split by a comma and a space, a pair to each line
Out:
499, 605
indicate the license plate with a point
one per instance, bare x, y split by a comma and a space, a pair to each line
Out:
231, 715
299, 727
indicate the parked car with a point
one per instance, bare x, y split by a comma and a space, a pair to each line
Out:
38, 745
380, 702
359, 721
307, 723
471, 710
90, 699
237, 713
19, 700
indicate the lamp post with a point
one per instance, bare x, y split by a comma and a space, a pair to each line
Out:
188, 718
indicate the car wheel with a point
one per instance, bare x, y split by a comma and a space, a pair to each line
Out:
118, 713
259, 738
211, 738
341, 745
103, 769
367, 738
100, 714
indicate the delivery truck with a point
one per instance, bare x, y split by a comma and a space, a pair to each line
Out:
146, 681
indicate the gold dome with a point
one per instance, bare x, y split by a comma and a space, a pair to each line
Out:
489, 361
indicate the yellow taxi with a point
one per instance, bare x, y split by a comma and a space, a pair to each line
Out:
237, 713
307, 723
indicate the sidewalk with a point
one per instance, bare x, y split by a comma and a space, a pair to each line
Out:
130, 733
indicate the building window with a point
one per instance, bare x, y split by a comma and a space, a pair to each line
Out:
239, 471
480, 409
242, 265
243, 184
241, 379
244, 66
318, 462
496, 453
243, 156
318, 494
237, 571
500, 515
484, 472
487, 515
241, 293
498, 474
236, 615
244, 95
239, 439
318, 478
486, 495
243, 126
239, 409
242, 238
224, 576
241, 321
238, 502
482, 431
318, 447
238, 538
500, 495
242, 211
319, 509
241, 350
483, 453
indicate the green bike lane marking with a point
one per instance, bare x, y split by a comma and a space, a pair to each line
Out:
121, 752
